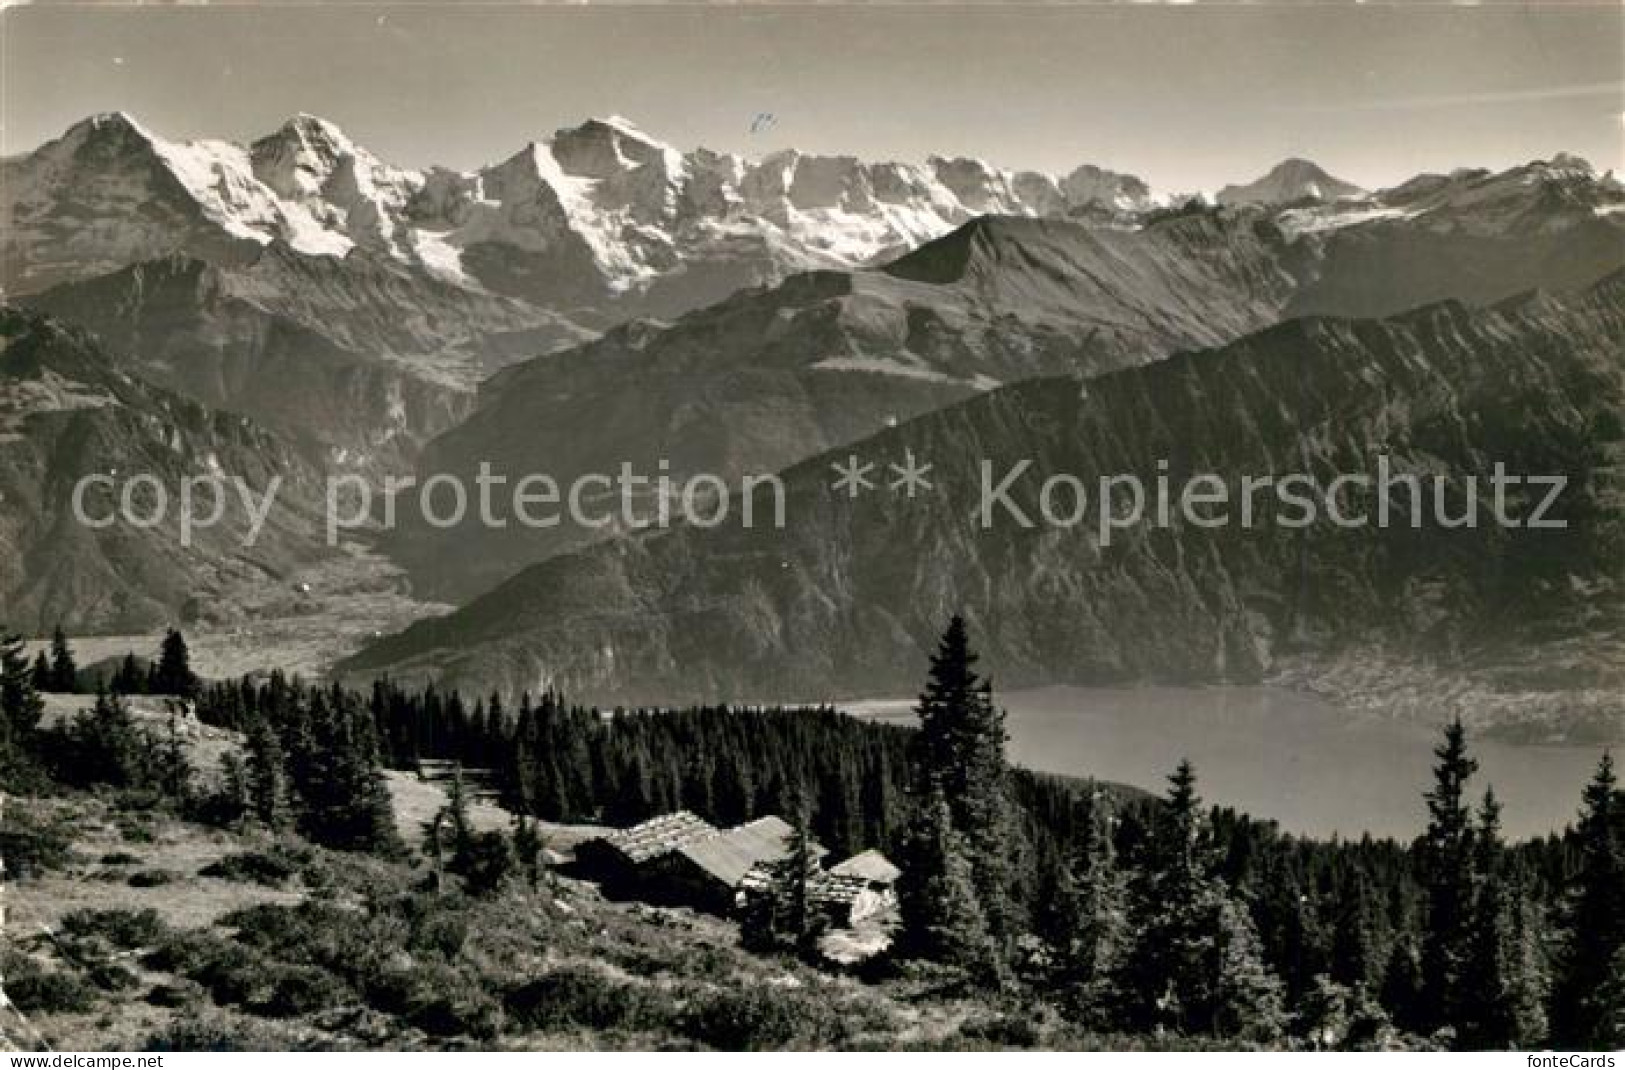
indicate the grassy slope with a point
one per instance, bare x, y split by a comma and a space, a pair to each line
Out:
361, 956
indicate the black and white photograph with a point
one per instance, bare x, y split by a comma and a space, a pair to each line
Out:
813, 527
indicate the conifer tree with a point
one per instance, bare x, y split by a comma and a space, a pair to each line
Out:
527, 849
1487, 1003
129, 679
1448, 868
1593, 937
1356, 959
1402, 985
106, 746
1094, 919
20, 704
173, 673
233, 802
942, 913
450, 832
1608, 1032
41, 676
960, 753
265, 775
174, 771
64, 672
1195, 963
344, 801
778, 914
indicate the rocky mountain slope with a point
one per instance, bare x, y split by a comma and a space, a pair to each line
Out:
67, 411
773, 375
850, 590
1475, 236
302, 273
360, 357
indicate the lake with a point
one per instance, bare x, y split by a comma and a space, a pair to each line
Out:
1315, 768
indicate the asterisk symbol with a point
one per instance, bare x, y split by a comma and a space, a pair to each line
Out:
853, 477
910, 475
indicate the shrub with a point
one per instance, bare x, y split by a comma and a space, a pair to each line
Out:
1002, 1031
150, 878
199, 1034
120, 928
320, 933
230, 972
33, 844
580, 997
252, 867
297, 990
437, 998
182, 993
37, 990
120, 858
217, 1032
757, 1019
443, 931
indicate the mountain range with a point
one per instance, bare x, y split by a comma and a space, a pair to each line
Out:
600, 298
840, 601
66, 412
279, 277
772, 375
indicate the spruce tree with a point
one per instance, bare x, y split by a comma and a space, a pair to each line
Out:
344, 799
266, 775
1448, 869
1608, 1030
41, 677
1402, 982
20, 704
942, 913
1195, 964
1487, 1003
173, 673
107, 747
1094, 920
960, 753
779, 914
64, 672
1593, 937
1356, 959
528, 848
174, 768
129, 679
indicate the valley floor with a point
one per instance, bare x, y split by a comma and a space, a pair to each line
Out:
301, 625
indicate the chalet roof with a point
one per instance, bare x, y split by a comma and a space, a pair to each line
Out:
729, 856
832, 889
869, 865
660, 835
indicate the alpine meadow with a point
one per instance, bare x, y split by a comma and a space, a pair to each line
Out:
824, 528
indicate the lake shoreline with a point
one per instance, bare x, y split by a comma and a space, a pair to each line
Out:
1315, 768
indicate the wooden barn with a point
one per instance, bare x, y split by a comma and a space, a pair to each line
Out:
709, 873
621, 860
861, 887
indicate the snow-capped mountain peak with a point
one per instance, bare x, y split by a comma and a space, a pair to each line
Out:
299, 159
602, 207
1289, 181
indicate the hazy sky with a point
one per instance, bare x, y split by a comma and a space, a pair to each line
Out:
1189, 97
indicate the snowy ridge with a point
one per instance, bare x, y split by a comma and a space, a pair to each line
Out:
1288, 182
603, 222
604, 197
